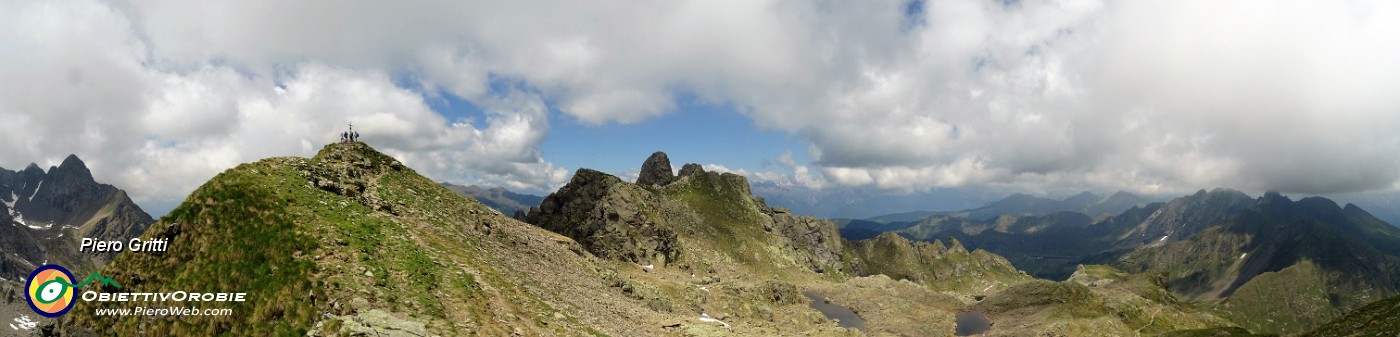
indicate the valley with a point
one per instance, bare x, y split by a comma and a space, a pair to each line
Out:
1270, 264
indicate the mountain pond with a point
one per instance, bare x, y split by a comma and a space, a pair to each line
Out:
843, 315
971, 323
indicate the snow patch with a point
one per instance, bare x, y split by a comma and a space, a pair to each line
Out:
1164, 238
36, 190
1242, 255
10, 206
706, 318
19, 218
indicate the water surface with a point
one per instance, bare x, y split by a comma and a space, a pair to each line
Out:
843, 315
971, 323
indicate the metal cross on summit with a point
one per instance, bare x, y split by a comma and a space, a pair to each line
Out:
349, 135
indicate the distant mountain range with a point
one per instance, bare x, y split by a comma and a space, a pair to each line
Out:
1026, 205
500, 199
1013, 206
1271, 264
858, 203
46, 213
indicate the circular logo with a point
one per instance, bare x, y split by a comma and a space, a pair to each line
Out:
50, 290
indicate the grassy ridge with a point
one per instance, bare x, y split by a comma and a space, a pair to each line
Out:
1287, 301
234, 234
1381, 319
299, 251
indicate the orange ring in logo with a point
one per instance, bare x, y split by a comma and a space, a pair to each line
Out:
50, 290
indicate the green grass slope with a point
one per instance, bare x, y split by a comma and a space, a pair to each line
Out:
1287, 301
319, 243
1378, 319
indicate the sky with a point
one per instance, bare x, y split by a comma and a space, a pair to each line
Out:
1151, 96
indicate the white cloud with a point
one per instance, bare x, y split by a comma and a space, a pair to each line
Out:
1157, 95
86, 85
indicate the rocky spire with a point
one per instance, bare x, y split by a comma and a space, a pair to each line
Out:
956, 246
656, 170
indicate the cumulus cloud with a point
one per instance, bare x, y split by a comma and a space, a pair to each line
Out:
1150, 96
87, 82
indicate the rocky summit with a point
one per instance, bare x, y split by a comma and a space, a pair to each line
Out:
656, 170
352, 242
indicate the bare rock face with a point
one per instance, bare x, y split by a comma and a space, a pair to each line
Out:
352, 170
690, 169
644, 221
814, 243
612, 219
656, 170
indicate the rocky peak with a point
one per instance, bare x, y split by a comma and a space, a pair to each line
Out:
1272, 197
656, 170
72, 176
74, 164
939, 247
351, 169
611, 219
1083, 199
29, 179
689, 169
956, 246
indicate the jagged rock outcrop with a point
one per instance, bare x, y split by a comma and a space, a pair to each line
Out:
622, 221
352, 170
816, 243
656, 170
690, 169
610, 218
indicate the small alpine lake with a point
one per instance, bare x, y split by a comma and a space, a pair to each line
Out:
971, 323
843, 315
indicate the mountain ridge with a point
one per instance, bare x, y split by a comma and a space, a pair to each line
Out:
499, 198
353, 242
1209, 244
45, 213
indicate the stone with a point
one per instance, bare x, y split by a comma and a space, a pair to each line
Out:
370, 323
359, 303
656, 170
